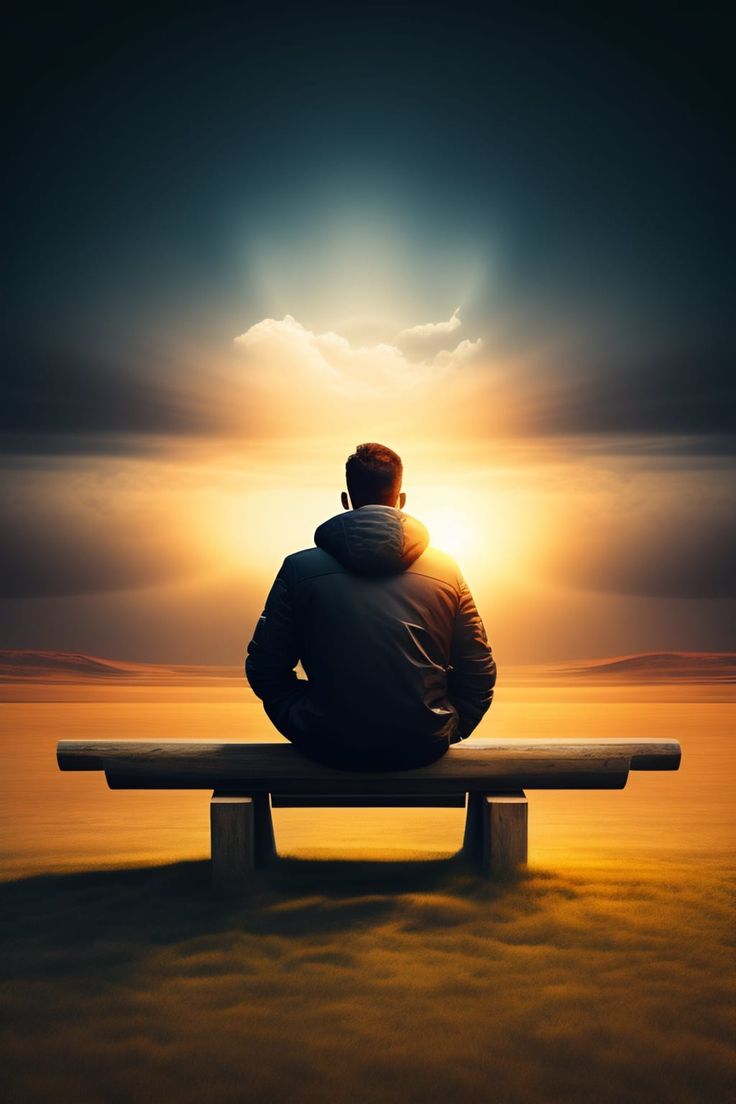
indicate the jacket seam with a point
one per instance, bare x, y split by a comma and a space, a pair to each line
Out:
438, 579
321, 574
344, 571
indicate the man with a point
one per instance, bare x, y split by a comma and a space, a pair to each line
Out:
397, 661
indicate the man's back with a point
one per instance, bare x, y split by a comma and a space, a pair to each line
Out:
395, 653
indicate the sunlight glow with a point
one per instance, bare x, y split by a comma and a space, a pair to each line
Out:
449, 530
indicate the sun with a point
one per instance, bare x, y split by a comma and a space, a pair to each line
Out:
491, 533
449, 530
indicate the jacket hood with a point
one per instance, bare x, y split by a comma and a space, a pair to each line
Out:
373, 540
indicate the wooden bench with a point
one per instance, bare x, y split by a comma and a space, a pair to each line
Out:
487, 777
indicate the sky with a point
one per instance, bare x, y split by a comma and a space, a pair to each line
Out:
239, 242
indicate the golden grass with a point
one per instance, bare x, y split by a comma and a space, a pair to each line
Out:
604, 976
371, 981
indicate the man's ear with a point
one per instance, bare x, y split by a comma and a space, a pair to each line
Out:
402, 500
345, 500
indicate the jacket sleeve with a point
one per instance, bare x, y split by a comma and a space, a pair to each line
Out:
472, 673
273, 653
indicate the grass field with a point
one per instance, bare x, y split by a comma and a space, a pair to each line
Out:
371, 964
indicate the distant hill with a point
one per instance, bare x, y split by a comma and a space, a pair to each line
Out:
660, 666
647, 667
644, 667
23, 664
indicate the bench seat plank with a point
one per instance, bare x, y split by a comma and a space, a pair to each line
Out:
278, 768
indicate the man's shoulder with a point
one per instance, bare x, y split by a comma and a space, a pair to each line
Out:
310, 562
438, 565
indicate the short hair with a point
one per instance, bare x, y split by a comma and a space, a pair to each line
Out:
373, 474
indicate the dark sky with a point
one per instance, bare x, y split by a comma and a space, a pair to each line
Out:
178, 174
153, 152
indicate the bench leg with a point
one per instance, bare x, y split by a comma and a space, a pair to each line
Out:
473, 838
496, 832
232, 827
264, 842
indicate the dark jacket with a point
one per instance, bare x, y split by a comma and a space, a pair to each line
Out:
396, 657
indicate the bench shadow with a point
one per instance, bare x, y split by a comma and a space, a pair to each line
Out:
142, 906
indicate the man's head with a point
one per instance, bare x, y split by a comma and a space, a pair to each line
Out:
373, 474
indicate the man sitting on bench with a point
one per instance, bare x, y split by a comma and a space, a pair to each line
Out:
397, 661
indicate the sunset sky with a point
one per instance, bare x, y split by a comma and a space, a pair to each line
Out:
240, 245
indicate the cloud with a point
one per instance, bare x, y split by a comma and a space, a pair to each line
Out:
652, 549
59, 401
432, 341
69, 534
60, 554
431, 329
284, 349
448, 359
688, 392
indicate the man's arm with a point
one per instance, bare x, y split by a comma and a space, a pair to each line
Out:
472, 673
273, 653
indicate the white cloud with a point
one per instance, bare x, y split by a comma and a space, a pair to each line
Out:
453, 358
432, 329
286, 350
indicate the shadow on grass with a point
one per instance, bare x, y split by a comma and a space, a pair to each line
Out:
96, 928
378, 981
172, 902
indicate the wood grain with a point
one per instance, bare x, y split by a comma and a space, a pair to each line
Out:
232, 832
505, 834
476, 766
497, 832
